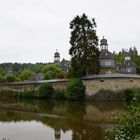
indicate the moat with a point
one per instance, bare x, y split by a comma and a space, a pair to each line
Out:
56, 120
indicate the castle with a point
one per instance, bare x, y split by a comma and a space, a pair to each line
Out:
107, 61
110, 65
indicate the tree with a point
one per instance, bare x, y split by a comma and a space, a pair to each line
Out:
2, 71
84, 42
52, 71
10, 77
25, 74
75, 90
135, 51
46, 90
120, 57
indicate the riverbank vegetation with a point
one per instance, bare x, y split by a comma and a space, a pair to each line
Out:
128, 127
131, 94
75, 90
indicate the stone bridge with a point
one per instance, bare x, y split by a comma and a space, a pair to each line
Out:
98, 87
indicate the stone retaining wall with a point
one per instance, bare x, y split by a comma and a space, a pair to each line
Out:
107, 89
97, 88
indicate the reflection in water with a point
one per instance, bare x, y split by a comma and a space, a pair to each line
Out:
55, 120
32, 130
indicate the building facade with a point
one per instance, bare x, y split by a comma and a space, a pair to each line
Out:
128, 66
64, 64
107, 59
110, 65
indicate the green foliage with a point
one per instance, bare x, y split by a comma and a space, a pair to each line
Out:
136, 60
128, 95
134, 56
25, 74
84, 50
46, 90
75, 90
129, 125
120, 57
131, 95
2, 71
2, 79
2, 74
25, 94
10, 77
52, 71
17, 67
59, 94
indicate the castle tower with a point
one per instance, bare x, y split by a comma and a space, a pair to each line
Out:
103, 44
107, 61
56, 57
127, 56
128, 66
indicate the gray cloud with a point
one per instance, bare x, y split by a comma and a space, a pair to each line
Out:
31, 30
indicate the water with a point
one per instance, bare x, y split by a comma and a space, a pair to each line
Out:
56, 120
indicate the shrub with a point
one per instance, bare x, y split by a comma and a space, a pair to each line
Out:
10, 77
129, 125
75, 90
128, 95
46, 90
24, 94
59, 94
136, 93
131, 94
2, 79
25, 74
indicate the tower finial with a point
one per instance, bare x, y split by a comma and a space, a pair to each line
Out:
103, 37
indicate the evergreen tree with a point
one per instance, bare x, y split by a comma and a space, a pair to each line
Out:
84, 42
130, 50
135, 51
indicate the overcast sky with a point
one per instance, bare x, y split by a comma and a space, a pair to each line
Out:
32, 30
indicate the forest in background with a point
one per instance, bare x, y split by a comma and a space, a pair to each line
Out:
10, 72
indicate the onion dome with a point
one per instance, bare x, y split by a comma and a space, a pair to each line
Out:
103, 41
57, 54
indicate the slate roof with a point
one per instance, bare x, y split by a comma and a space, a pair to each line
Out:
65, 64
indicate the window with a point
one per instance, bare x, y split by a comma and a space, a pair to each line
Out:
108, 63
